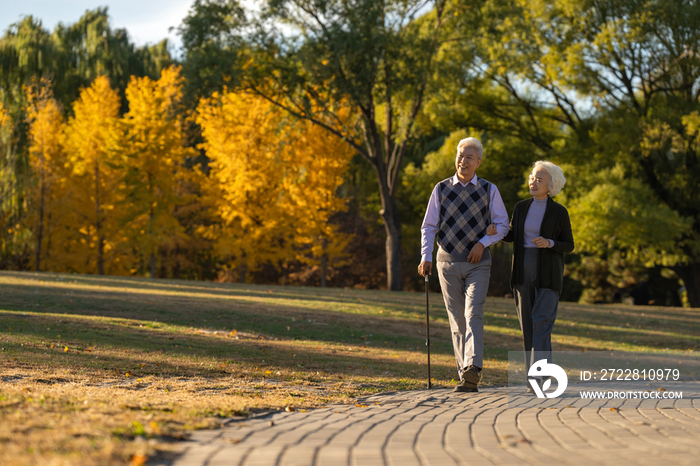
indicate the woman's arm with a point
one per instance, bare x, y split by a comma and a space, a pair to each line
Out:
510, 236
564, 243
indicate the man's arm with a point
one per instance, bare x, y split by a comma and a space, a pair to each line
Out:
427, 233
499, 217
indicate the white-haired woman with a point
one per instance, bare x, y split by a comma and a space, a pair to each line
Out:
541, 232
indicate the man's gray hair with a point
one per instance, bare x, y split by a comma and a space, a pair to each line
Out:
471, 142
556, 175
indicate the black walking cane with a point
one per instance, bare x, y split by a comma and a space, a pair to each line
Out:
427, 328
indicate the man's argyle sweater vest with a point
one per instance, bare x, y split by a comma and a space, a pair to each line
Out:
464, 216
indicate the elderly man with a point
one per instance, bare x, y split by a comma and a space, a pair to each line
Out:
459, 211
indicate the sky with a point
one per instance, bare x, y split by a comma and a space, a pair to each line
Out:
147, 21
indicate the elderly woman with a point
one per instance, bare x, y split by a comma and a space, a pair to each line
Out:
541, 232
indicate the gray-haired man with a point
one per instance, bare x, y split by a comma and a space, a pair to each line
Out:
459, 211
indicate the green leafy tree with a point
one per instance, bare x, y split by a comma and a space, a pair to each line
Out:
636, 61
73, 56
606, 86
13, 237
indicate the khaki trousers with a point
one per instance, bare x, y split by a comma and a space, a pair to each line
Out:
464, 287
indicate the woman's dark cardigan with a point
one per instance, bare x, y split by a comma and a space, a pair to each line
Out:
555, 226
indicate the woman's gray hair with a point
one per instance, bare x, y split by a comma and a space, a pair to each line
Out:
471, 142
556, 175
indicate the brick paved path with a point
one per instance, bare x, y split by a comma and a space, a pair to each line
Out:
439, 427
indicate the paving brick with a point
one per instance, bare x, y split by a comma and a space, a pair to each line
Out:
333, 456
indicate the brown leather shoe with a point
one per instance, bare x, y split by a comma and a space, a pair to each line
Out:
470, 379
465, 387
471, 375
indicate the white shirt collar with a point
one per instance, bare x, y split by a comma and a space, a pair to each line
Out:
455, 180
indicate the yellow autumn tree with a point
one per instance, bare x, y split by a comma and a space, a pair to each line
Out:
95, 176
319, 162
273, 185
152, 152
241, 135
46, 157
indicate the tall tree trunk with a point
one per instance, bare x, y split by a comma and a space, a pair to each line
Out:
47, 253
40, 229
392, 226
388, 212
98, 223
153, 254
324, 263
176, 268
243, 265
691, 279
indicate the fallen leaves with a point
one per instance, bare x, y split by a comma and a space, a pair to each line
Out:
139, 459
156, 427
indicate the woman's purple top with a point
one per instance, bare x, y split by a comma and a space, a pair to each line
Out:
533, 221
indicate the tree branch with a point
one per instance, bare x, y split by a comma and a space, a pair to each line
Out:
303, 116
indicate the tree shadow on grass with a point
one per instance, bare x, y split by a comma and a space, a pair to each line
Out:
90, 344
603, 326
360, 299
270, 318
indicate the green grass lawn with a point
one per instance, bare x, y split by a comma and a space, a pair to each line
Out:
103, 370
